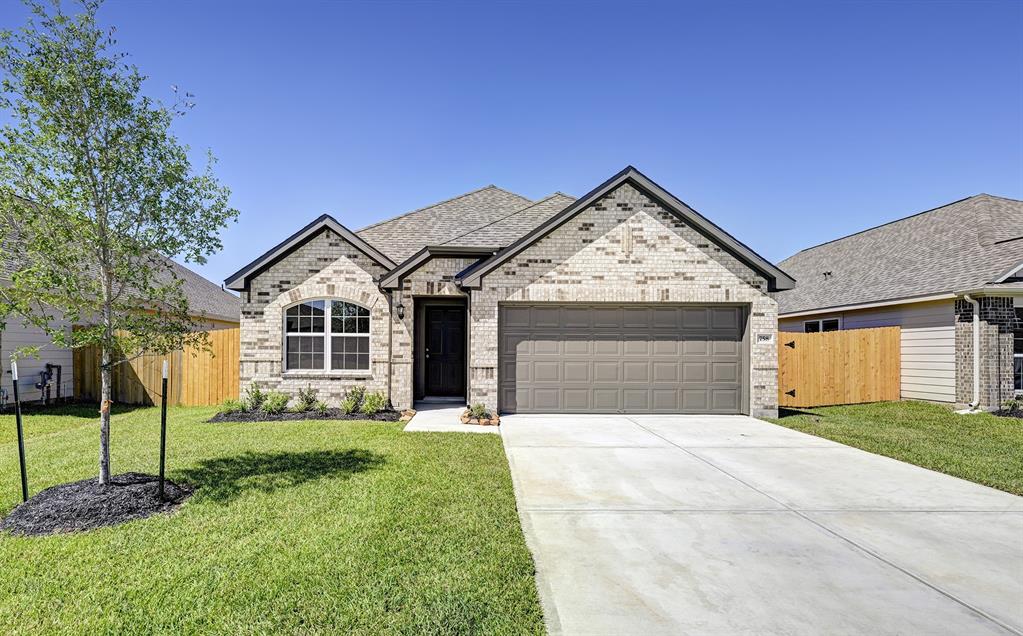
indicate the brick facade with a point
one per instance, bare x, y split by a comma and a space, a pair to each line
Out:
325, 267
623, 248
997, 321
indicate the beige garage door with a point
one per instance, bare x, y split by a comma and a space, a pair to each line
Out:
621, 359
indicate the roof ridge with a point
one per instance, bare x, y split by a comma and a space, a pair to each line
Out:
433, 205
881, 225
503, 218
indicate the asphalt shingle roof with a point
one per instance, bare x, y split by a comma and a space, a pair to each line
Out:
207, 298
510, 228
437, 224
960, 246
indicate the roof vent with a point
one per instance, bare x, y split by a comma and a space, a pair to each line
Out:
827, 275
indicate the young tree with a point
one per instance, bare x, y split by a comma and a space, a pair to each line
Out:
96, 194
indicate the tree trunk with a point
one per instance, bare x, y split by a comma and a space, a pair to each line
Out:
104, 417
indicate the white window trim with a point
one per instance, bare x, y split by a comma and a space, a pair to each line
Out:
820, 323
327, 338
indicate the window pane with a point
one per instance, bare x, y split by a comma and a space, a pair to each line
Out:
291, 322
829, 325
362, 345
811, 327
304, 352
347, 352
1017, 372
363, 312
363, 326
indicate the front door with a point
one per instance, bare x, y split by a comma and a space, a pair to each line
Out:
444, 353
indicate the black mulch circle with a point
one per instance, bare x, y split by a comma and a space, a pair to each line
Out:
329, 414
85, 505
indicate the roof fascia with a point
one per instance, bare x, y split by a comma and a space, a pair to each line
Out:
869, 305
239, 280
393, 278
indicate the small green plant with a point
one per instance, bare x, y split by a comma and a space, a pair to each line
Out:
479, 411
349, 403
254, 398
1014, 405
373, 403
231, 406
352, 400
275, 403
321, 407
306, 400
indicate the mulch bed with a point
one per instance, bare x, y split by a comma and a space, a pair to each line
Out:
86, 505
329, 414
1017, 413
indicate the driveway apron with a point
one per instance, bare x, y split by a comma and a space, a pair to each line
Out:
730, 525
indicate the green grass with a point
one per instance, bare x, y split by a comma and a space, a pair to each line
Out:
982, 448
296, 527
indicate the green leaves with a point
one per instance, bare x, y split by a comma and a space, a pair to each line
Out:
96, 193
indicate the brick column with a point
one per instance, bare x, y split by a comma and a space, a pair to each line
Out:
997, 321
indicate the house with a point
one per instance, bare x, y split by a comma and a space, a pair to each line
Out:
624, 300
208, 302
931, 274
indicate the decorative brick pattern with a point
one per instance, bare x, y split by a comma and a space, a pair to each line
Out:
325, 267
625, 248
997, 321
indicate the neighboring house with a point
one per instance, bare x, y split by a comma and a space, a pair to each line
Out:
921, 273
625, 300
216, 308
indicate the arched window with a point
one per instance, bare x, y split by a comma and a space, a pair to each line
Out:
326, 335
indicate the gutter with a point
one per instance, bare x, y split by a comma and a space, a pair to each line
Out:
976, 352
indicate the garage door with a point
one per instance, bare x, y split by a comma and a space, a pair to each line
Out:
620, 359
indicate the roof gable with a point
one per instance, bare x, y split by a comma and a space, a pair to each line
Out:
961, 245
239, 280
776, 278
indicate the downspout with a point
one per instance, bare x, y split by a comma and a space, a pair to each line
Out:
976, 351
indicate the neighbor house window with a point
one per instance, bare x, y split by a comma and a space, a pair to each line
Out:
1017, 351
326, 335
816, 326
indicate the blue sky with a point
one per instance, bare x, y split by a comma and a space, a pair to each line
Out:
786, 123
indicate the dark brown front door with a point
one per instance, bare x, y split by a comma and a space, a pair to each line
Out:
444, 354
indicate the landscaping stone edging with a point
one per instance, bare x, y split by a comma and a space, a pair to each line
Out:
492, 420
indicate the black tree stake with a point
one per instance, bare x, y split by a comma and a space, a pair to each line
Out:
21, 434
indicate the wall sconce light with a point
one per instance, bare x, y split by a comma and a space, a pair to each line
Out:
400, 310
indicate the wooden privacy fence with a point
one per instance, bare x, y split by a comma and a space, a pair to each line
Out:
196, 377
839, 367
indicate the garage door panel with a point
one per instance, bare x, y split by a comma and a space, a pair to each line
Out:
695, 346
603, 358
636, 371
635, 400
665, 371
577, 371
637, 346
724, 372
606, 371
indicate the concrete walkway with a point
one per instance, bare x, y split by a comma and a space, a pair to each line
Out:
443, 418
730, 525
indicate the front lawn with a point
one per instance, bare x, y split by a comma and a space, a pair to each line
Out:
296, 527
982, 448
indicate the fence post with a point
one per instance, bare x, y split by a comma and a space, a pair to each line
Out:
21, 433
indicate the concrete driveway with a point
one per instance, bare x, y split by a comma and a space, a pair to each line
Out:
730, 525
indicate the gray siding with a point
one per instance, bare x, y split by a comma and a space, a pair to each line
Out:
16, 336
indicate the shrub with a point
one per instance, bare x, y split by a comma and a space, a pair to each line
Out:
275, 403
349, 404
352, 399
254, 398
373, 403
1014, 405
231, 406
479, 411
320, 407
306, 400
